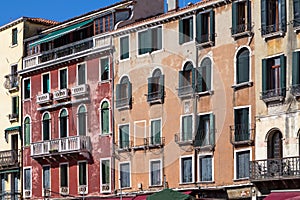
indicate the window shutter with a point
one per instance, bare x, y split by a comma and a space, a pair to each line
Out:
105, 120
198, 27
124, 47
296, 70
264, 75
208, 76
180, 81
193, 78
191, 27
199, 79
17, 105
159, 38
46, 129
129, 93
181, 35
234, 18
212, 26
162, 87
283, 15
283, 74
197, 142
296, 13
118, 94
264, 16
150, 82
245, 122
148, 41
157, 132
212, 129
247, 164
243, 67
249, 15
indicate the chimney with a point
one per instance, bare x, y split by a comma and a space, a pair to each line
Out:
172, 5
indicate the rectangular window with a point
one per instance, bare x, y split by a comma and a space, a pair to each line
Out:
186, 30
15, 106
14, 40
186, 170
27, 92
63, 79
273, 78
124, 136
155, 170
124, 47
105, 175
27, 179
104, 63
14, 82
241, 17
241, 124
81, 74
187, 128
205, 135
205, 168
125, 175
82, 173
150, 40
46, 83
205, 24
273, 16
64, 177
242, 164
104, 24
155, 132
46, 177
2, 186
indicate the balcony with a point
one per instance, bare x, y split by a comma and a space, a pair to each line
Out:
153, 142
242, 134
155, 97
185, 91
14, 117
123, 103
125, 145
67, 51
61, 95
241, 30
9, 159
272, 30
273, 95
181, 139
62, 146
44, 98
11, 83
205, 140
205, 40
80, 91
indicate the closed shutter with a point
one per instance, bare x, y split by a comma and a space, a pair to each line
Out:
148, 41
283, 74
234, 18
264, 75
243, 67
181, 34
105, 120
193, 78
187, 128
150, 91
283, 15
198, 28
296, 13
249, 15
158, 38
180, 82
27, 131
264, 15
124, 137
208, 76
296, 70
63, 79
212, 26
118, 93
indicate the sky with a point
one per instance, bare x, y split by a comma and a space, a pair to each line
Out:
58, 10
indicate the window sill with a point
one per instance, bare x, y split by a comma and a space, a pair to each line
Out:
242, 34
185, 143
272, 35
242, 85
189, 183
205, 44
103, 82
155, 186
124, 60
126, 188
105, 134
13, 46
187, 43
241, 179
205, 182
28, 99
208, 92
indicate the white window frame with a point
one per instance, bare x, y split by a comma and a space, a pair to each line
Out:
150, 130
135, 131
212, 166
211, 74
65, 68
235, 66
68, 174
109, 117
194, 30
193, 169
42, 80
50, 127
181, 126
26, 168
241, 107
121, 163
129, 45
30, 126
119, 125
12, 31
67, 121
235, 160
150, 170
85, 70
23, 91
100, 74
43, 194
86, 119
110, 182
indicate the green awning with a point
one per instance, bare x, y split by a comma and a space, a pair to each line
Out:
14, 128
59, 33
168, 194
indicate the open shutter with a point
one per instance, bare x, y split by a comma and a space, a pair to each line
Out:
283, 74
198, 28
180, 82
193, 78
191, 27
181, 35
118, 94
264, 75
159, 38
296, 13
208, 76
249, 20
162, 87
150, 82
148, 41
199, 79
263, 17
245, 124
212, 26
129, 93
198, 126
212, 129
296, 70
234, 18
283, 15
17, 105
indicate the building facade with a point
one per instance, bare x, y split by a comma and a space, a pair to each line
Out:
12, 36
67, 104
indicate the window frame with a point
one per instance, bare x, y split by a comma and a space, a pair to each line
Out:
101, 175
210, 27
14, 39
211, 116
119, 135
43, 181
24, 131
181, 126
24, 89
84, 163
159, 98
152, 51
86, 120
15, 105
249, 118
235, 16
119, 92
109, 117
129, 185
43, 115
212, 167
180, 169
24, 175
235, 162
59, 78
100, 69
250, 81
181, 39
135, 143
68, 175
150, 131
208, 91
42, 82
160, 171
67, 125
120, 46
85, 73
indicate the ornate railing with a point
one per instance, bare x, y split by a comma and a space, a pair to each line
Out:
277, 94
295, 90
273, 28
185, 90
242, 133
241, 28
62, 145
11, 82
80, 90
9, 158
275, 169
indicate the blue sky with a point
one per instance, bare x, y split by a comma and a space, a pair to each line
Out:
58, 10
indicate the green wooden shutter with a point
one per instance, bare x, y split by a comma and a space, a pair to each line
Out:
193, 78
296, 13
283, 16
148, 41
245, 124
181, 35
199, 79
162, 87
198, 27
234, 18
105, 120
212, 129
157, 131
180, 81
191, 27
159, 38
118, 94
264, 15
150, 83
129, 93
208, 76
295, 78
264, 75
283, 74
212, 25
249, 15
124, 47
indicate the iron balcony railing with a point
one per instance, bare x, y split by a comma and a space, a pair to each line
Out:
240, 29
61, 146
275, 169
124, 145
242, 133
9, 159
11, 82
273, 28
296, 23
277, 94
155, 96
185, 90
205, 138
123, 102
295, 90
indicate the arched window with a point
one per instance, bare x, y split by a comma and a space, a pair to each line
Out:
123, 93
105, 117
82, 120
243, 66
46, 126
204, 76
186, 79
156, 87
63, 123
27, 131
275, 144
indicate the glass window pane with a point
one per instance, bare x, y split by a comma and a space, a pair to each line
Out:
186, 170
27, 177
82, 173
155, 173
125, 175
64, 175
46, 177
105, 171
104, 69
